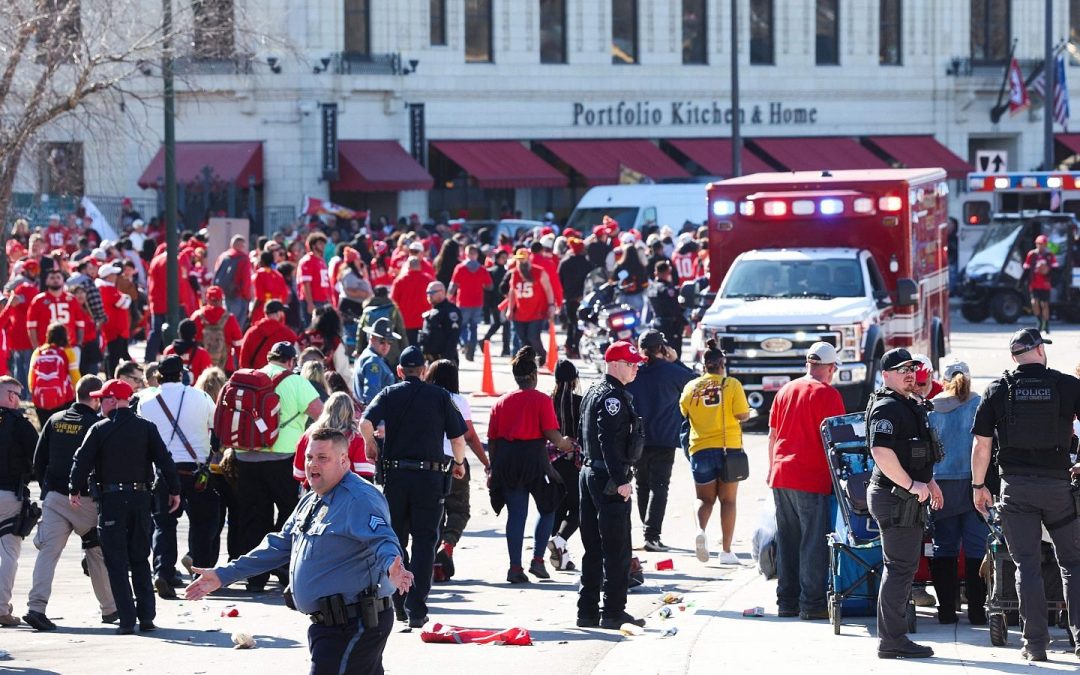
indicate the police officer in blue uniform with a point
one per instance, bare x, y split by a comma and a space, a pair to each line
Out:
372, 374
611, 442
904, 455
1031, 409
343, 558
416, 473
442, 326
122, 451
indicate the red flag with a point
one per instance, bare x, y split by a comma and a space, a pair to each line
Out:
1018, 93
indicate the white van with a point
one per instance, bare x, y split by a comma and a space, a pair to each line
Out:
639, 206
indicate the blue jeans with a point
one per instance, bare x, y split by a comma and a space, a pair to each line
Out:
156, 340
529, 333
802, 564
517, 511
238, 307
470, 321
20, 369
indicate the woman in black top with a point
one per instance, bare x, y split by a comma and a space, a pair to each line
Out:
448, 258
493, 297
568, 464
632, 278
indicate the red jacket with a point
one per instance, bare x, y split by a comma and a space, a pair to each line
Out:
197, 359
269, 285
158, 287
260, 338
550, 264
117, 311
409, 293
242, 281
15, 316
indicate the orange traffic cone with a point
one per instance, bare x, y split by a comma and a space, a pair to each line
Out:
487, 382
552, 350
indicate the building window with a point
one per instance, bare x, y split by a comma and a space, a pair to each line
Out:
357, 27
761, 32
214, 36
478, 31
552, 31
624, 31
438, 23
990, 31
828, 32
889, 28
693, 32
60, 170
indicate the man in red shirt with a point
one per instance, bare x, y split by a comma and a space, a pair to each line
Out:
313, 277
530, 303
56, 235
467, 286
801, 483
117, 327
263, 335
221, 324
14, 321
409, 293
55, 305
157, 290
232, 274
268, 284
1037, 264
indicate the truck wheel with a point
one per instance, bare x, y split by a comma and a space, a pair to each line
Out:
1005, 307
974, 313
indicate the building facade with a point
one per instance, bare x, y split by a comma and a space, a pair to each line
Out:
480, 107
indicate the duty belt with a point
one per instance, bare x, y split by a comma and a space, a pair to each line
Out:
123, 487
352, 611
415, 465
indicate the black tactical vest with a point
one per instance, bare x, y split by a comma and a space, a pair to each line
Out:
1033, 419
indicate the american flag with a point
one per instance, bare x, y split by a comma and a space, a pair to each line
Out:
1061, 91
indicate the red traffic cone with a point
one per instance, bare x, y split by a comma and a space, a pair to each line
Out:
487, 381
552, 350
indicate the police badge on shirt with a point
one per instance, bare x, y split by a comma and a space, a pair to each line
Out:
613, 406
882, 432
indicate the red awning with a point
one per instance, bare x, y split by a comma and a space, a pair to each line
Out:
501, 164
230, 161
818, 153
378, 166
914, 152
599, 161
1070, 141
714, 155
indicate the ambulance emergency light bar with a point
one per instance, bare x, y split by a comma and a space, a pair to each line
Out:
1030, 180
784, 204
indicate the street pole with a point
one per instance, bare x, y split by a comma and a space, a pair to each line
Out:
172, 239
1048, 98
736, 131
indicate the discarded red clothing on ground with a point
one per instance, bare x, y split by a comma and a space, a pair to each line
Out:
453, 635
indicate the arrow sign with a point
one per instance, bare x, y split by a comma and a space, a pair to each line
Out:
992, 161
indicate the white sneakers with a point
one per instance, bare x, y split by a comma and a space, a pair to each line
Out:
728, 558
559, 555
701, 546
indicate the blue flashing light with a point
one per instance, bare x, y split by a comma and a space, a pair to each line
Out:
830, 207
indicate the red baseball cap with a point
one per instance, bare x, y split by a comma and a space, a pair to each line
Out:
623, 351
114, 389
215, 293
1042, 239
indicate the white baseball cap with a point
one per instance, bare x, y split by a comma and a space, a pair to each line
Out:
106, 270
953, 367
822, 353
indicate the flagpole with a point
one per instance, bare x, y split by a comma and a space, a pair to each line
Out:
1048, 98
736, 126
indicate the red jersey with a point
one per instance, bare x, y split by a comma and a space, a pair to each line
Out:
470, 284
47, 308
313, 270
117, 314
549, 264
523, 415
797, 411
685, 265
409, 293
197, 360
90, 332
1039, 281
530, 300
18, 340
269, 285
56, 236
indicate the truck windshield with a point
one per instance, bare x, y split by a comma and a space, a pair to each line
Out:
583, 220
994, 247
831, 278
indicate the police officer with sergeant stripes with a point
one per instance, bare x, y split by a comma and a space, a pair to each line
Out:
1031, 410
61, 436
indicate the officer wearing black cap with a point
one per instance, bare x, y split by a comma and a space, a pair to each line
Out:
664, 302
904, 452
122, 451
611, 443
442, 326
417, 416
1032, 409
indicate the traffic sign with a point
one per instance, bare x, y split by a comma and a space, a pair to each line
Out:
992, 161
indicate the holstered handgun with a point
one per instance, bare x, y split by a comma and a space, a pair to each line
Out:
908, 510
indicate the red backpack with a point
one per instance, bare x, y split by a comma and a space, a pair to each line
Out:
52, 383
248, 410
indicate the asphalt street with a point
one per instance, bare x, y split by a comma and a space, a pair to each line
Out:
712, 632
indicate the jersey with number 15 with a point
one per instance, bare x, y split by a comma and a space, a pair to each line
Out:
47, 308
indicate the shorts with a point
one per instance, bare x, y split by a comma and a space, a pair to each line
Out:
1040, 294
707, 464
